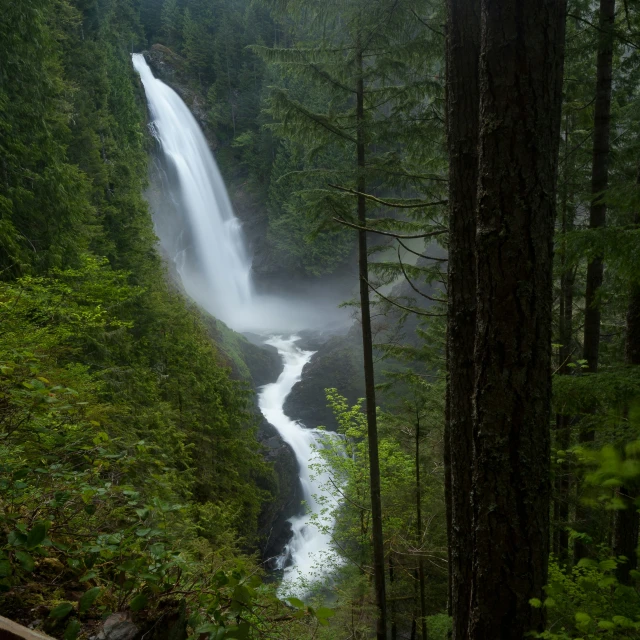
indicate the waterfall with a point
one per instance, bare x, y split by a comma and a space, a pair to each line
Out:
219, 263
204, 239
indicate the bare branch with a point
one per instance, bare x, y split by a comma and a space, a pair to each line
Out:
406, 277
386, 203
400, 306
420, 255
431, 234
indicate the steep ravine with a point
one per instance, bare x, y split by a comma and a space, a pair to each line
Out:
258, 364
202, 239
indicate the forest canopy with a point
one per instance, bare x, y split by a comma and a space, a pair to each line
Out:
479, 161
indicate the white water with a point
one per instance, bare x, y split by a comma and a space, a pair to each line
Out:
215, 231
209, 252
309, 551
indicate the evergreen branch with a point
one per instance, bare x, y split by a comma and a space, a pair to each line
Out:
386, 203
431, 234
382, 21
401, 306
614, 32
286, 55
426, 24
298, 57
420, 255
406, 174
406, 277
329, 78
321, 121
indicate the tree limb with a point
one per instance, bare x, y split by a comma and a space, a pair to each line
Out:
400, 306
386, 203
431, 234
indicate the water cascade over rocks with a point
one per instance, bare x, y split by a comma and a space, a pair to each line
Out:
207, 246
307, 551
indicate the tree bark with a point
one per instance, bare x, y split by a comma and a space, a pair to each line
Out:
421, 577
627, 521
599, 179
565, 337
521, 65
597, 214
369, 378
463, 104
392, 613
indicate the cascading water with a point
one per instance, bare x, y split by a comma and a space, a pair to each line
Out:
309, 548
208, 250
214, 230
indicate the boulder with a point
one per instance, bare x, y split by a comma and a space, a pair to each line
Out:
118, 626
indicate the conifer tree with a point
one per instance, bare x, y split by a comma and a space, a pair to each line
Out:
518, 146
366, 72
463, 103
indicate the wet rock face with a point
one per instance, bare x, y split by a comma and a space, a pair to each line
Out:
336, 364
263, 361
274, 528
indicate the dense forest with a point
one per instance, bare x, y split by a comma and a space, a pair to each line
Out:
474, 167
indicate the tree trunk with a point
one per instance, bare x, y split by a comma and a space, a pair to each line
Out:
447, 483
394, 624
565, 337
521, 65
627, 521
597, 213
423, 599
599, 179
463, 103
369, 378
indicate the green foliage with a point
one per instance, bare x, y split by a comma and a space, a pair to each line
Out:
345, 461
588, 602
129, 458
34, 131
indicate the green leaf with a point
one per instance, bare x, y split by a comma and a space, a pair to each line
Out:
216, 632
37, 534
139, 602
606, 624
607, 565
5, 568
535, 603
143, 532
582, 620
242, 595
61, 611
323, 614
241, 632
88, 576
587, 562
88, 598
25, 560
295, 602
16, 539
207, 628
72, 630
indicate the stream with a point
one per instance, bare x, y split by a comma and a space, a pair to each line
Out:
198, 230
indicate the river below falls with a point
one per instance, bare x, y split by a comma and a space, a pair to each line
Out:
308, 556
